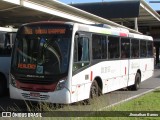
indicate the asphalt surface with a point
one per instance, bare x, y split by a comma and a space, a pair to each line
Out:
7, 104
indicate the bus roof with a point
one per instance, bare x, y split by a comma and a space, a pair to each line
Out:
98, 28
7, 29
112, 31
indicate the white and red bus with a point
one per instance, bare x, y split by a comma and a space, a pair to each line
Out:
7, 36
64, 62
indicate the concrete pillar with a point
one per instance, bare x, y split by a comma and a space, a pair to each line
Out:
136, 24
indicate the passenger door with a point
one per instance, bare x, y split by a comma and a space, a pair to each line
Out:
81, 70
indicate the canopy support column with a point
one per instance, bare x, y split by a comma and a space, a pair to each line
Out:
136, 24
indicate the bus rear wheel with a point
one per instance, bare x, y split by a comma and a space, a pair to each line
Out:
136, 85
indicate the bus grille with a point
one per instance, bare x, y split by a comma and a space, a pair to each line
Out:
35, 80
41, 97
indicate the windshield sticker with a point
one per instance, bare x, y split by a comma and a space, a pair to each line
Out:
42, 42
39, 69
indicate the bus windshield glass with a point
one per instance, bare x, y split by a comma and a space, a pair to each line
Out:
42, 49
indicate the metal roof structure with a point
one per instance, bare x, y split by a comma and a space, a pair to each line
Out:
17, 12
124, 11
147, 16
112, 9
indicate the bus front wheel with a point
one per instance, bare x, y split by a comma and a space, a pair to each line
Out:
94, 90
94, 93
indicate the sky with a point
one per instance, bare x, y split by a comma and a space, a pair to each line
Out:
155, 6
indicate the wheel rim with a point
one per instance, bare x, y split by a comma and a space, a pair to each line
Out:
94, 91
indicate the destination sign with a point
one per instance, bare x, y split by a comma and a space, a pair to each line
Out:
39, 31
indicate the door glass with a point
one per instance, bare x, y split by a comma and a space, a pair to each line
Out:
81, 52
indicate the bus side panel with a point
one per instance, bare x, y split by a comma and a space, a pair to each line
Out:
109, 73
134, 66
117, 75
124, 73
150, 68
81, 85
147, 66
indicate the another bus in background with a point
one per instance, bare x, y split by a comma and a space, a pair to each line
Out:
7, 36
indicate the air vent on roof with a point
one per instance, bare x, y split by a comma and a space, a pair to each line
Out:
111, 27
120, 29
102, 25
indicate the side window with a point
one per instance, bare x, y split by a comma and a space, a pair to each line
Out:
8, 43
143, 48
2, 38
149, 49
81, 52
134, 48
83, 49
125, 48
113, 47
5, 47
99, 46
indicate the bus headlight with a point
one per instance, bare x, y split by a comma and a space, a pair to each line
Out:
13, 81
61, 84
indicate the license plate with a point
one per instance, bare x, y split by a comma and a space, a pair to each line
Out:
35, 94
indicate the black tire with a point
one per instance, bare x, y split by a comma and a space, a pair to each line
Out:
136, 85
94, 91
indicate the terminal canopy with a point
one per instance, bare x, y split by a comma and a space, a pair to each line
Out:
16, 12
118, 9
123, 12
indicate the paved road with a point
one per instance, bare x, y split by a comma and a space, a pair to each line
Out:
7, 104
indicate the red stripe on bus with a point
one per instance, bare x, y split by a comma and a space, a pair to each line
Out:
91, 75
146, 67
123, 34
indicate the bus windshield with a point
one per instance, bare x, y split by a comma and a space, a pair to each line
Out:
42, 49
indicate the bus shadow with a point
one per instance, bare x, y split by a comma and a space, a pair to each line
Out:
157, 76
